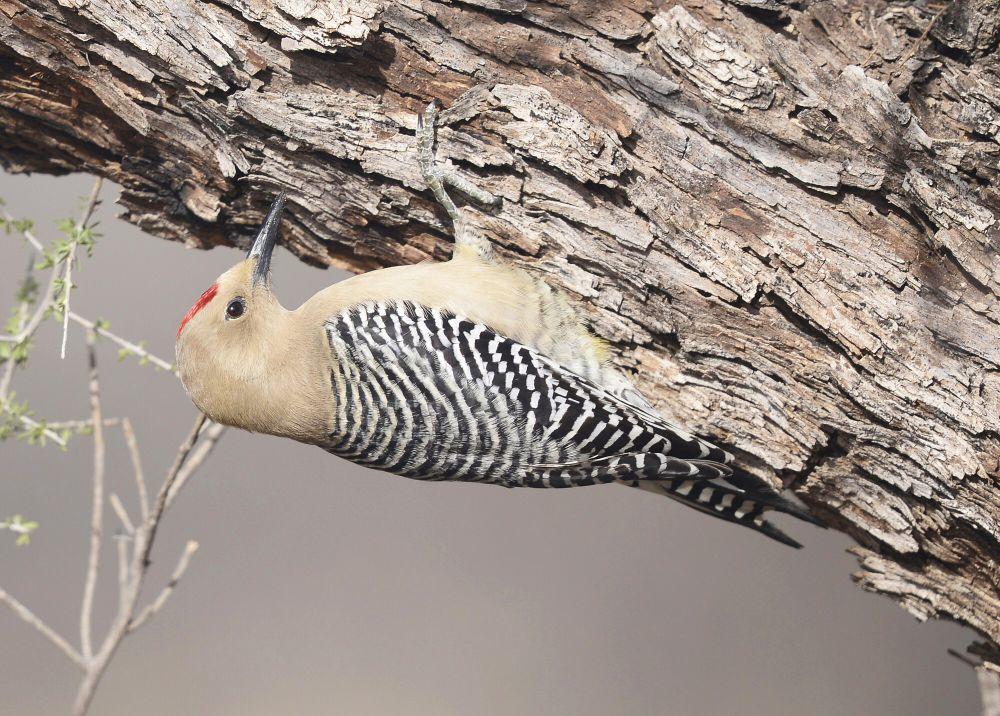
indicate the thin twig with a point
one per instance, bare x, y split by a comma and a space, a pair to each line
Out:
126, 344
168, 484
48, 632
81, 424
119, 508
212, 435
8, 372
157, 604
68, 278
22, 315
97, 507
27, 234
55, 437
123, 570
28, 329
140, 480
36, 318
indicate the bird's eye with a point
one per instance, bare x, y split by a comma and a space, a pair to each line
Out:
236, 308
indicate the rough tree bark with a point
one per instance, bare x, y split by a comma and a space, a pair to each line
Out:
782, 213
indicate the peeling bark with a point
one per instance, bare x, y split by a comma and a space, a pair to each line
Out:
782, 214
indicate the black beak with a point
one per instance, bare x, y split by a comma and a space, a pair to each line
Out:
263, 245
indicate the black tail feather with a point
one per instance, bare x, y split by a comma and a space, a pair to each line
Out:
786, 506
732, 505
763, 491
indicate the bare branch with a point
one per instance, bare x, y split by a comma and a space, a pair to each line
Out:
165, 489
157, 604
97, 506
121, 544
119, 508
213, 433
44, 629
126, 344
81, 424
68, 278
140, 481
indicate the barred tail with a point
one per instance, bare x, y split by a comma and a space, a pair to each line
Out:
693, 482
732, 505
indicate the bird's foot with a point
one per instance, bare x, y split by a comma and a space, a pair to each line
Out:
440, 176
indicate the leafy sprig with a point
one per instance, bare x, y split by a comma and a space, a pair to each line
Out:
21, 527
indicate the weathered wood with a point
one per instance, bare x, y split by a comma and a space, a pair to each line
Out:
783, 215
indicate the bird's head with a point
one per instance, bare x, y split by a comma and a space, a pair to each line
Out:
232, 337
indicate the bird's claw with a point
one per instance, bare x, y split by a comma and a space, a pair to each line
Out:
438, 177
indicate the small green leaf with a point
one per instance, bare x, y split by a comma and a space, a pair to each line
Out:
21, 527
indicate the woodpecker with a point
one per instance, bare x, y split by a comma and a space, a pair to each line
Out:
470, 369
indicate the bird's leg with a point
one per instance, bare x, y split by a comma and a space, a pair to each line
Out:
438, 177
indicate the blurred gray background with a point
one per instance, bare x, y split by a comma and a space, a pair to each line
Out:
321, 587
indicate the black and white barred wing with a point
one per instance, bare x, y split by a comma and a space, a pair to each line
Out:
424, 394
429, 395
445, 387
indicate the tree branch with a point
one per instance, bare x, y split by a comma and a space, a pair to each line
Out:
119, 508
44, 629
80, 227
213, 433
157, 604
126, 344
97, 509
136, 458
